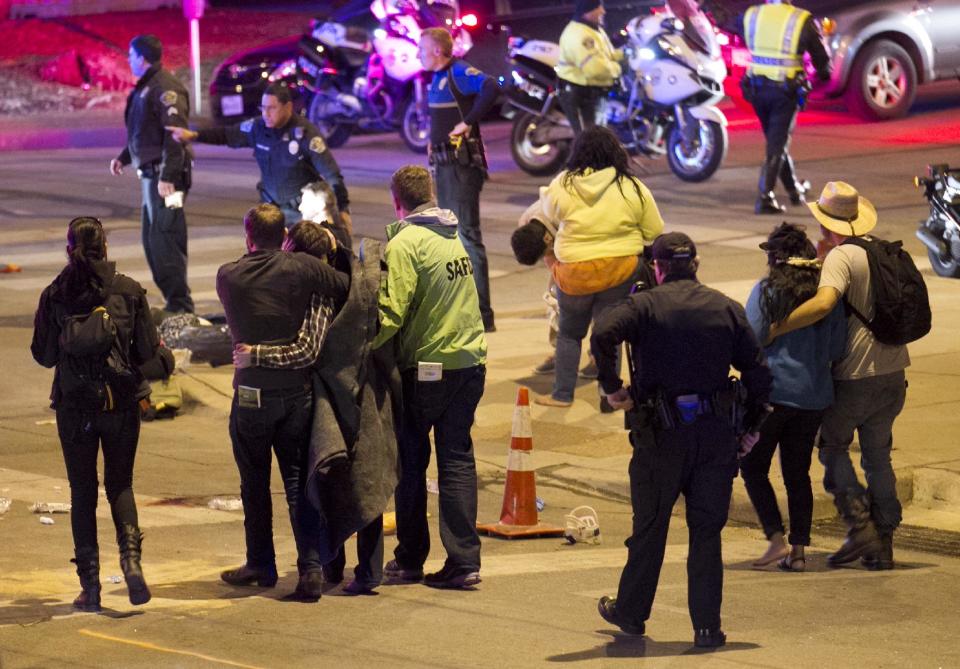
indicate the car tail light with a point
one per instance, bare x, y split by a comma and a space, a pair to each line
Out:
828, 26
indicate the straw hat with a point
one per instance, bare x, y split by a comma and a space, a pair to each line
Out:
840, 209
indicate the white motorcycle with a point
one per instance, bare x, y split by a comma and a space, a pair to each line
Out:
664, 102
375, 82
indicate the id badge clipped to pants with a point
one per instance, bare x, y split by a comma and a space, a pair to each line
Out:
248, 398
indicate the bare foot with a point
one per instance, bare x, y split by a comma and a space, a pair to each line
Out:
775, 551
548, 401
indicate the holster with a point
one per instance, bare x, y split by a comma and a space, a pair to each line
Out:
748, 88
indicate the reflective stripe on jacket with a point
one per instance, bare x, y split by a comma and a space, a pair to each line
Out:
587, 57
772, 34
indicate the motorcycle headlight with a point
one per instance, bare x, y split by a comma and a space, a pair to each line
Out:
646, 53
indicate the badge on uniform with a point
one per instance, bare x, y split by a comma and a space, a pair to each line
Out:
317, 145
294, 147
169, 98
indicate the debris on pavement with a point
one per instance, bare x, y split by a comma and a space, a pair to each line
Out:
5, 503
225, 504
46, 520
50, 507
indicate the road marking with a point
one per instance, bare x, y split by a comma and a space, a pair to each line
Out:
163, 649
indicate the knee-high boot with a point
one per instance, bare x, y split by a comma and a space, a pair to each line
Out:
129, 540
87, 559
766, 200
796, 188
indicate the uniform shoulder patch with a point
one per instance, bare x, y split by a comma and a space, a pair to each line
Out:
317, 145
472, 71
169, 98
589, 43
247, 125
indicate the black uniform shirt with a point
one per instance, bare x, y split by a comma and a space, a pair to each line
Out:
158, 100
289, 157
685, 336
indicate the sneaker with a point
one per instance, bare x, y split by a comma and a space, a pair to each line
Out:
589, 370
547, 366
607, 608
708, 638
392, 571
451, 577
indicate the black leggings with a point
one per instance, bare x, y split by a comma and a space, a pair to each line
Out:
81, 435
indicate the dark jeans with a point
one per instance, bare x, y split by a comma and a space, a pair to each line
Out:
164, 233
282, 423
795, 430
776, 107
369, 569
448, 407
869, 406
458, 189
82, 434
698, 460
584, 106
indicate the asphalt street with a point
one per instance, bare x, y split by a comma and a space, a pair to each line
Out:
536, 604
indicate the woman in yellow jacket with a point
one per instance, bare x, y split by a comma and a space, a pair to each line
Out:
606, 217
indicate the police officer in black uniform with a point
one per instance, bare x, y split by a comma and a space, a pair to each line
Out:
684, 338
459, 96
778, 34
289, 149
163, 165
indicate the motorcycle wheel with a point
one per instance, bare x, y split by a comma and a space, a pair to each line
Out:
706, 156
948, 267
334, 133
539, 160
415, 126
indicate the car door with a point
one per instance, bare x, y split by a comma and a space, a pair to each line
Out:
941, 18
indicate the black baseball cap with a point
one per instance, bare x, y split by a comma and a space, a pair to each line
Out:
674, 246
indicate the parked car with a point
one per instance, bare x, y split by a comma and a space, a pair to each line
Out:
880, 50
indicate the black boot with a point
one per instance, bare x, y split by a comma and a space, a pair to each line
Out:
87, 560
882, 559
766, 200
128, 539
862, 538
796, 188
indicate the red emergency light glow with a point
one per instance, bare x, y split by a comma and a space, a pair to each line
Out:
469, 20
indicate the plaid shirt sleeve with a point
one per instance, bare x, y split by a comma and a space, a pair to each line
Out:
305, 349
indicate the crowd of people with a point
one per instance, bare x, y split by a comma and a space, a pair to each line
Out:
347, 359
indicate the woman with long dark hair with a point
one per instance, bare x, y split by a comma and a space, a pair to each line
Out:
96, 396
606, 217
802, 390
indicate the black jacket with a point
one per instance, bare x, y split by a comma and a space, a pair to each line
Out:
158, 100
685, 336
126, 302
265, 295
289, 158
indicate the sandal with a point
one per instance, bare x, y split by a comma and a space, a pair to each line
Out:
790, 563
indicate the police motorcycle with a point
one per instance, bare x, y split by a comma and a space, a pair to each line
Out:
664, 103
940, 233
375, 82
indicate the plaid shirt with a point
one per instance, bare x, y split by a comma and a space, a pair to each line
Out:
305, 349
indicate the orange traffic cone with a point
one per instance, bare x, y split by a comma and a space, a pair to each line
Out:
518, 517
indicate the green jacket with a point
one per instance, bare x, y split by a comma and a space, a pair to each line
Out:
429, 295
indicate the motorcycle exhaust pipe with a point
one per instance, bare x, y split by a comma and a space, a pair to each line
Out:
932, 242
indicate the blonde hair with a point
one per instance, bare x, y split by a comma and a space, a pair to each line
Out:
442, 38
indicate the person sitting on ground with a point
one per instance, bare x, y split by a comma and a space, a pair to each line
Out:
607, 216
802, 390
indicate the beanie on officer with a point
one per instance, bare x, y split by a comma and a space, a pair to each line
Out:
583, 6
149, 47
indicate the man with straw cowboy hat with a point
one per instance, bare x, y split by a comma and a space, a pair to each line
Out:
869, 382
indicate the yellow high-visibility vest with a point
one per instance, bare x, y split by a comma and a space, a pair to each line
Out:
773, 36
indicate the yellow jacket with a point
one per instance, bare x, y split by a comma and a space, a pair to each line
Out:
587, 57
772, 34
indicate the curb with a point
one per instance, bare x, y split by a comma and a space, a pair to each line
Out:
62, 138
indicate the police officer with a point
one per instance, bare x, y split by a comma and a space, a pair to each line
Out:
163, 165
684, 338
289, 149
778, 34
459, 96
588, 66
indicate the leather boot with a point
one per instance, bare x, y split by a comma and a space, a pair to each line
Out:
766, 200
862, 538
87, 560
882, 559
796, 188
129, 539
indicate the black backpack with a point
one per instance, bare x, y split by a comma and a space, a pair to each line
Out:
93, 371
901, 305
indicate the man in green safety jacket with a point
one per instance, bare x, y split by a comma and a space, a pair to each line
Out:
778, 34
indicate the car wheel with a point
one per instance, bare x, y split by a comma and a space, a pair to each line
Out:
883, 82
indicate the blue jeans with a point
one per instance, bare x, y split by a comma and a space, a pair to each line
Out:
869, 406
447, 407
281, 423
576, 313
